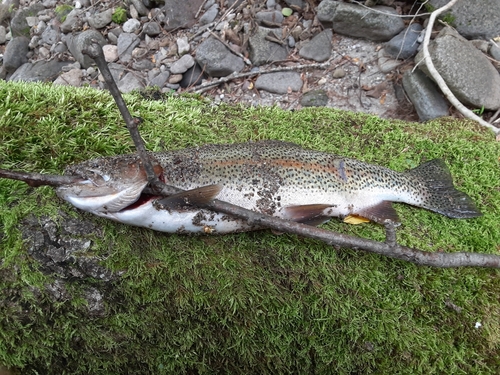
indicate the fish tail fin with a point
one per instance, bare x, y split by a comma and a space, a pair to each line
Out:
441, 196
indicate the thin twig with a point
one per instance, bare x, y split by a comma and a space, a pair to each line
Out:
440, 81
94, 50
39, 179
202, 88
200, 8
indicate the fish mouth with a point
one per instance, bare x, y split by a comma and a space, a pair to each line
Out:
90, 197
108, 185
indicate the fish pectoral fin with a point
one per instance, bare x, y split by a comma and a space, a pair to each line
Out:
311, 214
193, 197
381, 213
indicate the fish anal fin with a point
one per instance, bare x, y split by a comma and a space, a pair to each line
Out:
311, 214
193, 197
381, 213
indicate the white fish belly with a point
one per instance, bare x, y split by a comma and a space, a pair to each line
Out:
184, 221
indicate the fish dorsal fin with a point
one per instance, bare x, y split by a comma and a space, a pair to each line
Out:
311, 214
381, 213
193, 197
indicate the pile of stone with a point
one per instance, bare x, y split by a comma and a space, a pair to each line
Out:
177, 45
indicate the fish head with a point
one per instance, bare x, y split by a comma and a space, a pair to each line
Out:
106, 184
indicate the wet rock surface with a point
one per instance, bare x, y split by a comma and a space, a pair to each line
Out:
64, 248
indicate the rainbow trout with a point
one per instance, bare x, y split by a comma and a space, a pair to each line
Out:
272, 177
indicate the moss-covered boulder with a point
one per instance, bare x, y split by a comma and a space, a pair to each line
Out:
82, 295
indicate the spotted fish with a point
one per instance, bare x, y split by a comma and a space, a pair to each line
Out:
272, 177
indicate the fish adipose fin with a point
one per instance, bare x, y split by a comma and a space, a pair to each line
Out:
441, 195
193, 197
311, 214
381, 213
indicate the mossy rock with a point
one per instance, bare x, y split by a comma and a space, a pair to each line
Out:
243, 303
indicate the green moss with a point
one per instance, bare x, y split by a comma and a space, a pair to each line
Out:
251, 302
62, 11
119, 15
449, 19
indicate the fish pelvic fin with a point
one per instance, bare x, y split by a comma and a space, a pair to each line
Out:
441, 196
310, 214
381, 213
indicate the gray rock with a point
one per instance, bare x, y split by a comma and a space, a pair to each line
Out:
208, 4
425, 96
404, 45
160, 79
71, 78
131, 26
270, 4
339, 73
478, 19
315, 98
482, 45
269, 18
194, 76
63, 248
44, 71
77, 43
110, 52
129, 83
495, 51
183, 46
180, 14
73, 22
100, 20
59, 48
34, 42
41, 27
31, 21
355, 20
15, 53
151, 28
295, 3
176, 78
142, 65
126, 44
318, 48
263, 51
95, 302
466, 71
210, 15
385, 63
182, 65
3, 34
279, 82
43, 53
117, 71
216, 59
113, 34
140, 7
19, 25
50, 35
